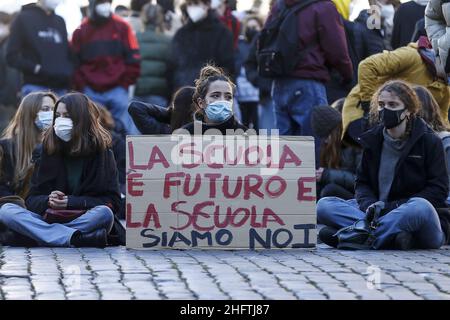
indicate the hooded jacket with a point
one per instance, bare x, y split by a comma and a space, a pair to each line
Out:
406, 64
40, 38
107, 53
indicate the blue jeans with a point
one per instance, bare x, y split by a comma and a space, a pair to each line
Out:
417, 217
116, 101
33, 225
267, 115
294, 100
29, 88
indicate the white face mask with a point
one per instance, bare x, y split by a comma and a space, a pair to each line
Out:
196, 13
44, 119
103, 9
63, 128
51, 4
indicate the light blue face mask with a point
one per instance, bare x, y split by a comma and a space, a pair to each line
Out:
219, 111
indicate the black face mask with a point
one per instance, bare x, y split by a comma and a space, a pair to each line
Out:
390, 118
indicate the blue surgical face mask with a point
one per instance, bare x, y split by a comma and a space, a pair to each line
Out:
44, 119
219, 111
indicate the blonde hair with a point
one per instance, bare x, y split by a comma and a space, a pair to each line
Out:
24, 133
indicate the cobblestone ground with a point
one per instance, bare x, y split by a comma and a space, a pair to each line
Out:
117, 273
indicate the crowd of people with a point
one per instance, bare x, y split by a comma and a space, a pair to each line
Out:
373, 92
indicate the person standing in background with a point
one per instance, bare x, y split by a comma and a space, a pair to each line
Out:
405, 20
153, 85
202, 40
227, 18
108, 60
9, 77
38, 47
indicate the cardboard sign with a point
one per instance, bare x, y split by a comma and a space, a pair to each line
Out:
220, 192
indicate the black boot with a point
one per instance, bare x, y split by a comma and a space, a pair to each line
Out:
95, 238
326, 235
404, 241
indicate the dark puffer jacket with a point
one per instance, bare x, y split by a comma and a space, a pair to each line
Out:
196, 44
155, 54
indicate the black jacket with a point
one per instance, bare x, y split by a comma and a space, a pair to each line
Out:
230, 124
98, 186
7, 167
10, 81
251, 69
149, 118
345, 175
38, 38
196, 44
367, 42
421, 171
405, 20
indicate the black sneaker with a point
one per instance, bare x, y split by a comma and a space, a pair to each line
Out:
326, 235
404, 241
95, 239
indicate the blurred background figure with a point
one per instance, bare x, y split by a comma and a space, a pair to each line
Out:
247, 94
108, 60
38, 46
153, 85
224, 12
134, 18
10, 81
405, 19
172, 21
203, 39
122, 11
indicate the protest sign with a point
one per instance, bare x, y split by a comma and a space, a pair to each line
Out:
220, 192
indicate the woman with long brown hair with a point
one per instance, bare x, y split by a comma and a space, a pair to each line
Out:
20, 138
338, 162
400, 184
75, 173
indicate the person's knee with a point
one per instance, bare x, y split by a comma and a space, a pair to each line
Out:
421, 208
8, 212
106, 216
325, 209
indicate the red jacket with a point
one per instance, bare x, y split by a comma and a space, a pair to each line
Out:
108, 55
321, 28
233, 24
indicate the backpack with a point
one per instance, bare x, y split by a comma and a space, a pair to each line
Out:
278, 43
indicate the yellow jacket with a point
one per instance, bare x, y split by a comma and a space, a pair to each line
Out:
343, 7
405, 64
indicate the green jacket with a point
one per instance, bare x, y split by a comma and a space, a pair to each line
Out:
155, 52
